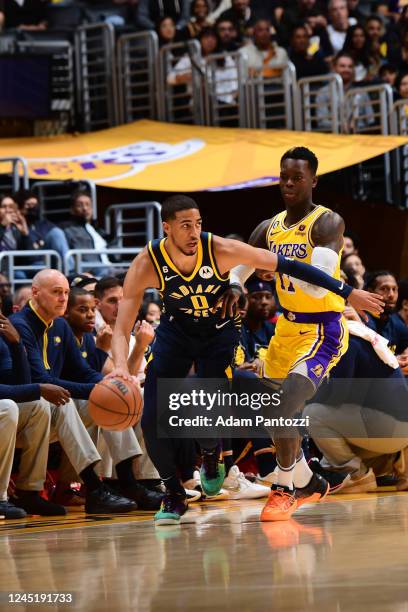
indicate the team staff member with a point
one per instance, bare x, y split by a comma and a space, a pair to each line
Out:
25, 420
80, 316
54, 357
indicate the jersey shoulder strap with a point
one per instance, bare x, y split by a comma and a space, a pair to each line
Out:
157, 259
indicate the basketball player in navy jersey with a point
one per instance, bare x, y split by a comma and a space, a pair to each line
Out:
190, 268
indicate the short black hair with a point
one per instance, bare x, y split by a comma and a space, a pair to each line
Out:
302, 153
75, 293
402, 292
174, 204
343, 54
372, 278
105, 283
375, 18
387, 68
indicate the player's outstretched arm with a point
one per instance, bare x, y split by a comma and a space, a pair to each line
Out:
141, 275
231, 252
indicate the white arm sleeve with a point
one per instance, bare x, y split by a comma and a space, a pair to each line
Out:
325, 260
240, 274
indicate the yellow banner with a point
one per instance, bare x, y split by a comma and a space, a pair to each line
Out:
149, 155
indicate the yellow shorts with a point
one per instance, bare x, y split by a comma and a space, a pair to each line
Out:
311, 349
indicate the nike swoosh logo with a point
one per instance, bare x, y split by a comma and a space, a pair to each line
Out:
341, 286
219, 325
302, 333
167, 278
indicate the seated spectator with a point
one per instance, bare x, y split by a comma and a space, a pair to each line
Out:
402, 303
55, 358
182, 71
360, 433
388, 74
349, 245
241, 16
401, 86
151, 11
200, 10
24, 422
21, 297
389, 324
302, 11
375, 30
26, 15
108, 294
42, 233
399, 56
354, 267
227, 34
167, 32
81, 231
357, 45
14, 235
265, 57
307, 64
344, 66
339, 22
5, 285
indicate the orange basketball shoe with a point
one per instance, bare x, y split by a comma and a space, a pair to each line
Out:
281, 504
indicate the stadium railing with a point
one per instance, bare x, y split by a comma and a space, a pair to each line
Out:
13, 174
367, 110
270, 101
180, 102
136, 222
318, 104
82, 265
40, 259
136, 69
226, 89
399, 127
96, 76
55, 197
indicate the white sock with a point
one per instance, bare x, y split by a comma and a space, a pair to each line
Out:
285, 476
302, 473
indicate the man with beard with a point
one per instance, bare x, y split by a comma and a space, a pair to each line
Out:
389, 324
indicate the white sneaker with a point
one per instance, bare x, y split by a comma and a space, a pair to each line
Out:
269, 479
194, 482
239, 487
192, 495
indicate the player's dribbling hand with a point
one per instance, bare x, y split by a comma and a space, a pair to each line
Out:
120, 373
228, 302
364, 300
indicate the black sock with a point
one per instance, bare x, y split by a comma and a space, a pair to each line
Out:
229, 462
266, 463
173, 485
90, 479
125, 473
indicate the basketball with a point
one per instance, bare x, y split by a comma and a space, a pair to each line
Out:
116, 404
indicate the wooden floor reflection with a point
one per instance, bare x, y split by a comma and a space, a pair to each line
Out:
348, 554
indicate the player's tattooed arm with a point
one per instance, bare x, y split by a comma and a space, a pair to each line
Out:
328, 231
141, 275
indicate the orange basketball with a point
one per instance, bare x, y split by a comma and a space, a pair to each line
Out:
116, 404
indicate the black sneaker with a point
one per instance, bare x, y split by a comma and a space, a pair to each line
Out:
315, 491
335, 479
172, 508
145, 499
10, 511
33, 503
104, 501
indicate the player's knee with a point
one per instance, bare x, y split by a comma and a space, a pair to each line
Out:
295, 390
9, 410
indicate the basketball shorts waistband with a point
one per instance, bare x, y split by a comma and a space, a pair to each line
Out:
311, 317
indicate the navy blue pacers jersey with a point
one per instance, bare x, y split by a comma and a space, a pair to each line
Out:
189, 299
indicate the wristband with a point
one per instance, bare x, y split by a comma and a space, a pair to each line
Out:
313, 275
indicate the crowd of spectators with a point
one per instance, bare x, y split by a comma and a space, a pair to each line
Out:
373, 33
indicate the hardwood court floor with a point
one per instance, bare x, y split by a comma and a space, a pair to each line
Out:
349, 553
